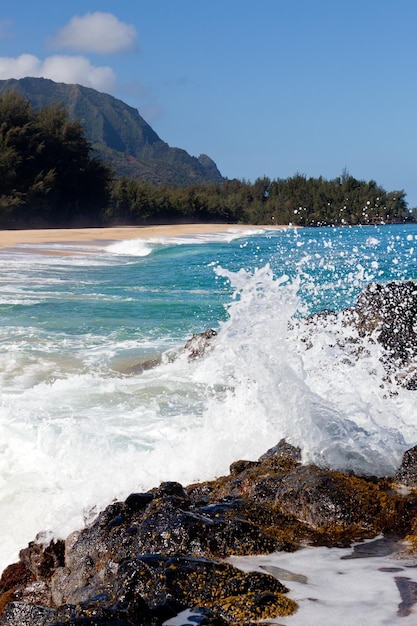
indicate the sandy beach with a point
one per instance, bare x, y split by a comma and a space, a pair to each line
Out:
11, 238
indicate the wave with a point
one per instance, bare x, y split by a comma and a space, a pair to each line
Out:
144, 247
336, 410
131, 247
226, 236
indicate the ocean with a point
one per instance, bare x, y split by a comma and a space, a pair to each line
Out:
99, 398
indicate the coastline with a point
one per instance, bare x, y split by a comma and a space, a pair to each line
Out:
11, 238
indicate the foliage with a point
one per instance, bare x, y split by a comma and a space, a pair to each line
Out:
296, 200
47, 174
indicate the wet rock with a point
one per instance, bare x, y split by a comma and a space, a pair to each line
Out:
157, 553
283, 448
28, 581
196, 346
390, 312
23, 614
311, 503
407, 473
240, 466
150, 589
385, 315
16, 577
201, 532
170, 584
199, 342
284, 574
138, 367
381, 546
42, 560
323, 498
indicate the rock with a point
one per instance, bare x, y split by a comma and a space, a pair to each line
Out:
408, 593
390, 312
387, 313
281, 449
295, 502
23, 614
42, 560
15, 575
407, 473
199, 342
158, 553
141, 366
151, 589
325, 499
384, 314
196, 346
170, 584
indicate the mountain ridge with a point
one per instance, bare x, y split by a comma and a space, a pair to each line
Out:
118, 133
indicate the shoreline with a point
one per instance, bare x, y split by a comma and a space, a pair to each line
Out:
11, 238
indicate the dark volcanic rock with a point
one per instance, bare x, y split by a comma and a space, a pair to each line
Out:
407, 473
385, 315
390, 311
281, 449
150, 589
41, 560
170, 584
22, 614
195, 347
298, 503
145, 559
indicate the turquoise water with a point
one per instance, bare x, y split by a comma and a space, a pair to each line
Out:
174, 291
82, 423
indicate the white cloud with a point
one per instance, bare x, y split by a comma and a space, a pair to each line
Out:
60, 68
24, 65
95, 32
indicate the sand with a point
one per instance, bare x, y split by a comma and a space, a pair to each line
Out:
11, 238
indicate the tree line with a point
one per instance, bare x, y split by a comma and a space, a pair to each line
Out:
49, 176
298, 200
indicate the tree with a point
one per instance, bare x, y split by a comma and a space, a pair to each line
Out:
48, 175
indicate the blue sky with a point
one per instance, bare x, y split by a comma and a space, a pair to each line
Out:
264, 87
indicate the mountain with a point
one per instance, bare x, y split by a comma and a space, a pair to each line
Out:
118, 133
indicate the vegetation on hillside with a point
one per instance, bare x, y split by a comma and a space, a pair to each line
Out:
50, 176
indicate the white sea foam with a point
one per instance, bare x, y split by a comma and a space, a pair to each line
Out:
226, 236
130, 247
348, 586
333, 588
144, 247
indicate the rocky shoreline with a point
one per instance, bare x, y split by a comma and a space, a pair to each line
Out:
146, 559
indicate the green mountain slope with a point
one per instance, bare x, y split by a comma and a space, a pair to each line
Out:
119, 134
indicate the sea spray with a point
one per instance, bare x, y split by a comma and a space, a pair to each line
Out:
336, 410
